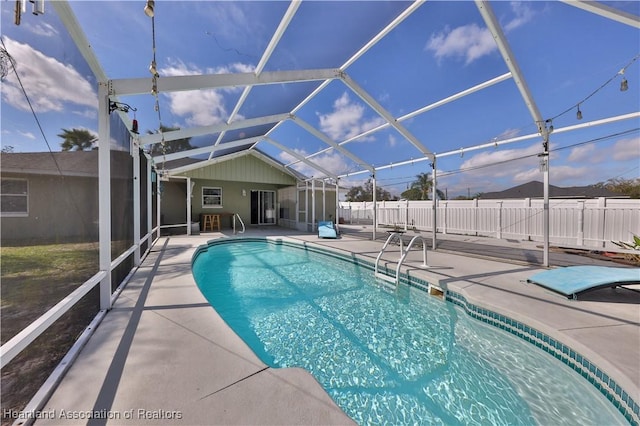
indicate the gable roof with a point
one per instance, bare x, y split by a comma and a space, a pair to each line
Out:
535, 189
253, 167
185, 166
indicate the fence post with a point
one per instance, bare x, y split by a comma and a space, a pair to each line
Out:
475, 215
444, 219
527, 218
580, 235
602, 213
499, 229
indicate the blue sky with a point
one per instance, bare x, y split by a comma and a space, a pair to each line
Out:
565, 54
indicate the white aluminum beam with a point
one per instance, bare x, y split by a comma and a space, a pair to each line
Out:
407, 12
207, 130
137, 86
275, 39
205, 150
386, 30
68, 18
606, 11
317, 133
505, 50
496, 143
300, 157
21, 340
537, 135
369, 100
424, 109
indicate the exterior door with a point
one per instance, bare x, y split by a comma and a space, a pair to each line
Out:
263, 207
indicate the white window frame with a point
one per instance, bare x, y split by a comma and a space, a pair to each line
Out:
25, 195
211, 206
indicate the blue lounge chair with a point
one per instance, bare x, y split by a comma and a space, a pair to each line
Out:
326, 230
573, 280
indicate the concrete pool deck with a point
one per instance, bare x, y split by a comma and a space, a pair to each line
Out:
162, 355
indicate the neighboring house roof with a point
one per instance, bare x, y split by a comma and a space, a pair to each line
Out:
64, 163
535, 189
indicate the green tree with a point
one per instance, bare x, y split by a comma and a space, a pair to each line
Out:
77, 139
630, 187
365, 193
177, 145
421, 188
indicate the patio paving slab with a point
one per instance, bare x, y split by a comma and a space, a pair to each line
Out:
163, 351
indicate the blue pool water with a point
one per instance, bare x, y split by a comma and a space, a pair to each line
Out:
388, 357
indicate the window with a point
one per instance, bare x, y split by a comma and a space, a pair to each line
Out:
211, 197
14, 197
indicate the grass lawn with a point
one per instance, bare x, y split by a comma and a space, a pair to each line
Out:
32, 280
35, 278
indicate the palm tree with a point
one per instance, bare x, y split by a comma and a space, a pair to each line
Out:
421, 188
77, 139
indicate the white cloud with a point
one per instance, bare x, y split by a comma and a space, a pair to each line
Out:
201, 107
585, 153
626, 149
331, 161
393, 141
27, 135
524, 13
346, 120
469, 42
42, 29
49, 83
472, 42
507, 134
498, 159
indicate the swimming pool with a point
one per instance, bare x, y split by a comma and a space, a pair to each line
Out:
384, 356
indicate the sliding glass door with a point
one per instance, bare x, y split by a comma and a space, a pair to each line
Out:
263, 207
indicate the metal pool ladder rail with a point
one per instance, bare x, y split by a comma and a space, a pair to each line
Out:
403, 256
234, 224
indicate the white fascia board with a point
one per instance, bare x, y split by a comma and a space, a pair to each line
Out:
206, 149
606, 11
207, 130
137, 86
205, 163
277, 164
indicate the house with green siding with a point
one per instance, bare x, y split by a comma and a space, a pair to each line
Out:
250, 186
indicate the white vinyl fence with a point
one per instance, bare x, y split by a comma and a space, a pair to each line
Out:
587, 223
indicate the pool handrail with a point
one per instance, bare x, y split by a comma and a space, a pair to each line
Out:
403, 256
234, 224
